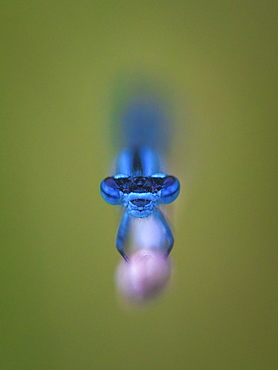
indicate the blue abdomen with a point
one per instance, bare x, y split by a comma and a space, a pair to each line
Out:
144, 136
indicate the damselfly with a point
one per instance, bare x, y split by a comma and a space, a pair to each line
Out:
139, 183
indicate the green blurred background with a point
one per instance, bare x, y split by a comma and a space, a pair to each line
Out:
59, 61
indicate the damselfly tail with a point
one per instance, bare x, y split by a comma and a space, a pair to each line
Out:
141, 116
144, 122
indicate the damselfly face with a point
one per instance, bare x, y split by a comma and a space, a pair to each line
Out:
140, 195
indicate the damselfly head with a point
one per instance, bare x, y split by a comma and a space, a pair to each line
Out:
140, 193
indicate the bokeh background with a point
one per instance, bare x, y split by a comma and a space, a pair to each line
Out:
59, 62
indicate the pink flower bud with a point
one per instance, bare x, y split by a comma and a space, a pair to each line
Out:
144, 276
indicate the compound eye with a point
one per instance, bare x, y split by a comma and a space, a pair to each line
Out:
109, 191
170, 189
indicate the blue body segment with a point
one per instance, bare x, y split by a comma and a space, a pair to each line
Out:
139, 184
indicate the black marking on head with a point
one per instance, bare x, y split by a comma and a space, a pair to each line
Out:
141, 184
